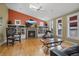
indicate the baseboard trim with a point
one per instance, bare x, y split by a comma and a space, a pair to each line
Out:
2, 42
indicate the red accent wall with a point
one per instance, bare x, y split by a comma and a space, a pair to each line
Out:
13, 15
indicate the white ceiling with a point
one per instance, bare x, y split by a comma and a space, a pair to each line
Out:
50, 10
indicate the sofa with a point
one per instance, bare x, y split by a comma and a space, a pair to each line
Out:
72, 51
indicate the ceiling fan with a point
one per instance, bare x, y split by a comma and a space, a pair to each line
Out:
40, 9
36, 7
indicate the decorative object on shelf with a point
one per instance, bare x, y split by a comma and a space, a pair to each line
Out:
9, 22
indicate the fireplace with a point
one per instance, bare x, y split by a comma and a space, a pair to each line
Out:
31, 33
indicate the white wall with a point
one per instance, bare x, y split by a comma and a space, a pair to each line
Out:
4, 15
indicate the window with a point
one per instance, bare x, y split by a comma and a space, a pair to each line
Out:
59, 27
73, 26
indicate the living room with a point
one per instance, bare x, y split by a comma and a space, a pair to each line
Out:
34, 19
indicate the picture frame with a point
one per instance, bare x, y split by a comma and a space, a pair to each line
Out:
17, 22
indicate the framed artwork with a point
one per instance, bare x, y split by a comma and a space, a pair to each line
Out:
17, 22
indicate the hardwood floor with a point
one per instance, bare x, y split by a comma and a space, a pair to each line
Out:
28, 47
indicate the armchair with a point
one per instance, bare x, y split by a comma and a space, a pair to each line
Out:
10, 35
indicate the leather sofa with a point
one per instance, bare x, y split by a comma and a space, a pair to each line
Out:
72, 51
